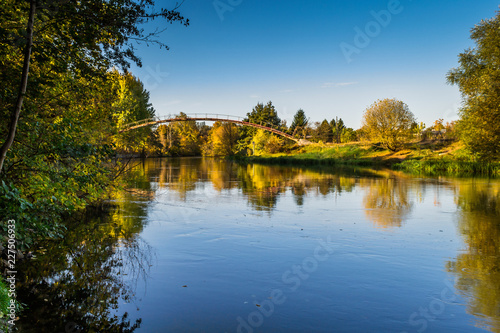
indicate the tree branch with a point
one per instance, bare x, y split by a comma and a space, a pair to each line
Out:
22, 88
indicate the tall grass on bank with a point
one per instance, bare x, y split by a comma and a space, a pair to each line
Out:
449, 167
311, 155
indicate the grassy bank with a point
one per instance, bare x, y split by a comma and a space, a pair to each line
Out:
429, 158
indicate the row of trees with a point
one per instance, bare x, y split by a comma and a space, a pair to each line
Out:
388, 122
189, 138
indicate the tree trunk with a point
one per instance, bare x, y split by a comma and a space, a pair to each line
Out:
22, 88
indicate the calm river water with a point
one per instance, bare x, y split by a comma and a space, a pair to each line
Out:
206, 245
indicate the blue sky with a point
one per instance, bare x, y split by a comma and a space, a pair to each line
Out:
310, 55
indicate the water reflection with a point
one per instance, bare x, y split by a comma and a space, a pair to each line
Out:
387, 201
262, 185
478, 267
76, 284
85, 277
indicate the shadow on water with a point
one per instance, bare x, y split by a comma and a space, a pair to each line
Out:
77, 283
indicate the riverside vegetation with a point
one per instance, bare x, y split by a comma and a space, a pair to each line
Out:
66, 92
433, 157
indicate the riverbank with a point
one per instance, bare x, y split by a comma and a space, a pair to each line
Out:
437, 157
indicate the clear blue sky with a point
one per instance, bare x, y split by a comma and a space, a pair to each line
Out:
290, 52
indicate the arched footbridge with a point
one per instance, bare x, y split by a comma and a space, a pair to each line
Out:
207, 117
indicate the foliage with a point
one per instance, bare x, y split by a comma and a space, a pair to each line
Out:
265, 115
222, 140
477, 76
131, 103
4, 303
299, 124
324, 132
62, 161
181, 138
389, 121
274, 144
338, 128
258, 143
61, 158
349, 135
265, 142
82, 39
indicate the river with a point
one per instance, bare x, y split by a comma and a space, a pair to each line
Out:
207, 245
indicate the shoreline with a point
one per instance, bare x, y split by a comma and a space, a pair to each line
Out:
439, 160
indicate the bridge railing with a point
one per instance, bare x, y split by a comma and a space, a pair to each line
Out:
188, 116
201, 117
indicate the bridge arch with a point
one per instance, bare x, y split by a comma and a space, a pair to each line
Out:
207, 117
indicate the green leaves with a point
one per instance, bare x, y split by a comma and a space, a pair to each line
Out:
60, 160
477, 76
299, 124
389, 121
265, 115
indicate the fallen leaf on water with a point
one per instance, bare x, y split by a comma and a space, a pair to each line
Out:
184, 286
258, 305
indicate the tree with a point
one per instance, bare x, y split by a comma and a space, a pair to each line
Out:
265, 142
131, 104
389, 122
265, 115
222, 140
16, 111
299, 124
59, 99
349, 135
477, 77
85, 38
338, 128
324, 131
188, 134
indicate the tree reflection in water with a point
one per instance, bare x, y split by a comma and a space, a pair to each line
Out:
77, 283
478, 267
387, 201
82, 279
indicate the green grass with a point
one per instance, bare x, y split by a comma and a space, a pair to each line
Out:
319, 155
428, 158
